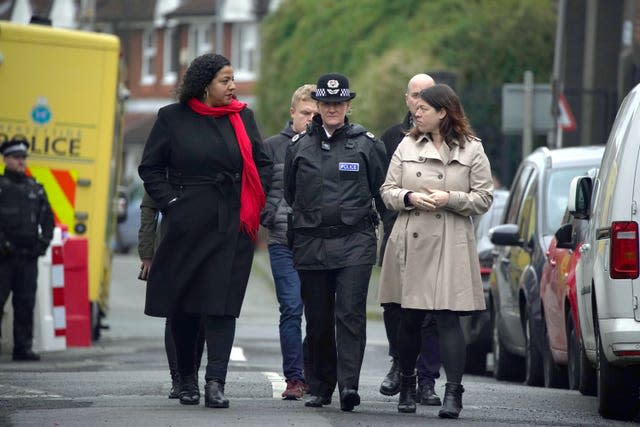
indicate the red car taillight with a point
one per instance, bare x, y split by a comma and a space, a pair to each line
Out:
624, 250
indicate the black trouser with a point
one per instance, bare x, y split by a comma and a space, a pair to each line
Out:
335, 308
19, 275
170, 348
452, 344
428, 362
219, 334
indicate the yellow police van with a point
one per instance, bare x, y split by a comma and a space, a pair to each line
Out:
59, 92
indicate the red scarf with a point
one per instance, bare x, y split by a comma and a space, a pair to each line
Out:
252, 198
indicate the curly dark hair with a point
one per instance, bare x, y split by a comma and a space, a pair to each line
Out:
455, 124
202, 70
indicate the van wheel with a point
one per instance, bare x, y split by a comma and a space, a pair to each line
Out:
506, 365
555, 375
573, 355
617, 387
588, 384
533, 357
95, 321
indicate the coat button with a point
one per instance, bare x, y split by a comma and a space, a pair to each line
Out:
418, 173
421, 159
415, 234
438, 216
439, 176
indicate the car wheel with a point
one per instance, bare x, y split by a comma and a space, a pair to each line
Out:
573, 355
506, 365
617, 387
554, 375
533, 357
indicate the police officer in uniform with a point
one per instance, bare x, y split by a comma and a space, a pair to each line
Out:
332, 174
26, 228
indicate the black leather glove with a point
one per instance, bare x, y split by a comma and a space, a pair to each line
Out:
41, 247
6, 247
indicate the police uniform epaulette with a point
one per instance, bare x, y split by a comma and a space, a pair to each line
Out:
370, 136
297, 136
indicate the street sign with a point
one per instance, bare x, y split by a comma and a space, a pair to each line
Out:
513, 106
566, 120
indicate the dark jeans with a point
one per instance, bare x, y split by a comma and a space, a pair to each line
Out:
451, 339
219, 334
335, 305
170, 348
288, 293
428, 362
19, 275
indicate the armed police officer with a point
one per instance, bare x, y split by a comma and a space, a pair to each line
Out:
26, 228
332, 174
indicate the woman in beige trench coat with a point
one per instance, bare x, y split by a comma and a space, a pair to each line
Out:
438, 178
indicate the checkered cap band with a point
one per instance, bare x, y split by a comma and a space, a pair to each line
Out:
22, 148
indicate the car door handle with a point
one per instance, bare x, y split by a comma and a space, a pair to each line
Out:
585, 248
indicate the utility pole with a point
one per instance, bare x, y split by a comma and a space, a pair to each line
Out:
527, 114
557, 84
219, 27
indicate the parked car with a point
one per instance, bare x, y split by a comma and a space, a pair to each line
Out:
126, 236
580, 372
533, 213
563, 362
608, 287
477, 327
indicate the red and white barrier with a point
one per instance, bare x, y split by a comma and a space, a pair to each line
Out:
49, 323
57, 291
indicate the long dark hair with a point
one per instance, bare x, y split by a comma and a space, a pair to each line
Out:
202, 70
455, 124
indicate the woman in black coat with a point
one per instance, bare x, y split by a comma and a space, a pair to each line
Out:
202, 165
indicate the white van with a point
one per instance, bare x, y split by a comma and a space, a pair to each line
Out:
608, 287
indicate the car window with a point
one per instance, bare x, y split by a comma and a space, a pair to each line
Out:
518, 187
492, 217
137, 191
557, 195
528, 212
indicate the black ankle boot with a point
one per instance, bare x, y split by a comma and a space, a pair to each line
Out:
214, 395
174, 393
407, 400
189, 392
391, 382
452, 402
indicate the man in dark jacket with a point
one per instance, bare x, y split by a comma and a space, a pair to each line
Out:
428, 364
332, 174
274, 218
26, 228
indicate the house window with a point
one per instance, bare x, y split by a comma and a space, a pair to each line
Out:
170, 56
149, 50
244, 53
200, 40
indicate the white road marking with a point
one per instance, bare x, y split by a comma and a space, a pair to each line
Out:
278, 383
237, 354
